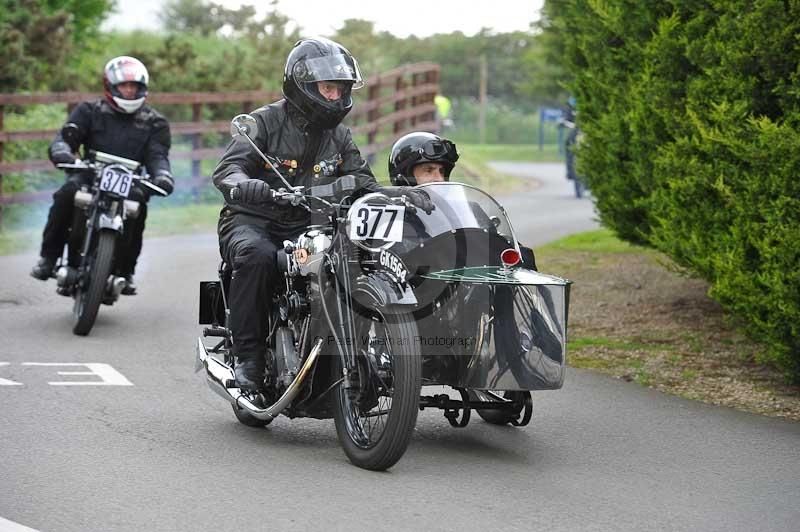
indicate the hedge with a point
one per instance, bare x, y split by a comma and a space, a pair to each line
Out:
690, 112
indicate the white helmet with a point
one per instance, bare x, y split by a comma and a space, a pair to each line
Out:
119, 70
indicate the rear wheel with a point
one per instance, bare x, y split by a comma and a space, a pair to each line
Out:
375, 417
90, 295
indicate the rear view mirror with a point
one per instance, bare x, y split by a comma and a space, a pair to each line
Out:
243, 126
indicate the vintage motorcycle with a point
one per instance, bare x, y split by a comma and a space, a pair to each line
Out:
381, 298
101, 209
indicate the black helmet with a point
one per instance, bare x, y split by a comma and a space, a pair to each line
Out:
416, 148
313, 60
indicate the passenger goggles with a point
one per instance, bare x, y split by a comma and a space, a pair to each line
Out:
440, 149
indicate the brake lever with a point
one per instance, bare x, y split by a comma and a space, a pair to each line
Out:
412, 209
77, 165
155, 188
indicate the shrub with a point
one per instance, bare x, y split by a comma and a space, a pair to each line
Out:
690, 112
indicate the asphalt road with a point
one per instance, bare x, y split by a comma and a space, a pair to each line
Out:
152, 448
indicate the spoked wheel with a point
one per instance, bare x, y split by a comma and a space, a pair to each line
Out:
519, 415
90, 295
375, 417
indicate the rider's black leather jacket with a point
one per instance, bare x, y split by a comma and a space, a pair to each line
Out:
285, 136
143, 136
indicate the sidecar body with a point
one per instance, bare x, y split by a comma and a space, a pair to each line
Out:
486, 321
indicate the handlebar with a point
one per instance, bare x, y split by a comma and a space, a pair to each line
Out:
92, 165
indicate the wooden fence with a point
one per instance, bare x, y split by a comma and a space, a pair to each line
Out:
390, 105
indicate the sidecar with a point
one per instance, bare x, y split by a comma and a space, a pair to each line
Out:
490, 326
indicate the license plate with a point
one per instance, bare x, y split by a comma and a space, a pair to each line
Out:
377, 222
116, 180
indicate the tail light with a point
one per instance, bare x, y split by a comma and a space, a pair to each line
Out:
510, 257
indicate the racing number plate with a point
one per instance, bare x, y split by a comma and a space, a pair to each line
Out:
116, 180
377, 222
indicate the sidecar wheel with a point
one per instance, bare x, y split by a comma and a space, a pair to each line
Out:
375, 418
245, 418
500, 417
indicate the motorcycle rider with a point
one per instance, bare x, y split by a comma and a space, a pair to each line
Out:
569, 121
120, 124
303, 132
421, 157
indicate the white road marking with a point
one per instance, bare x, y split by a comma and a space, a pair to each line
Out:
7, 382
108, 375
11, 526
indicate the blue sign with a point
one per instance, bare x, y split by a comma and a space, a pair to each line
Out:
550, 114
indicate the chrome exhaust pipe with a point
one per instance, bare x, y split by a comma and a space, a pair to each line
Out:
221, 378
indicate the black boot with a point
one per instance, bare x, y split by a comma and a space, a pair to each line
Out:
130, 287
250, 373
44, 268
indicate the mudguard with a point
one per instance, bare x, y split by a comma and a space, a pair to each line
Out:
382, 290
109, 222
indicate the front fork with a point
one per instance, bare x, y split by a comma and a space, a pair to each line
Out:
343, 327
97, 220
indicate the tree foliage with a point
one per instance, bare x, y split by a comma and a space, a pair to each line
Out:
690, 112
40, 40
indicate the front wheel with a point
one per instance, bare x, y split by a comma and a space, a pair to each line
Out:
375, 417
90, 295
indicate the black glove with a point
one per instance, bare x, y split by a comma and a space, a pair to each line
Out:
164, 181
251, 191
62, 157
418, 198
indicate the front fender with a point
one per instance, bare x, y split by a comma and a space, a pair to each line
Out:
378, 289
104, 221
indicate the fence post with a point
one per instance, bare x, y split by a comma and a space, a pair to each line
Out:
482, 99
399, 87
415, 100
372, 116
432, 77
197, 143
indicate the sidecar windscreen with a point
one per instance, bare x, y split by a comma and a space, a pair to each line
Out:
466, 228
461, 207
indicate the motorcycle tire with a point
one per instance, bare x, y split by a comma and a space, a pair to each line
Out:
87, 301
393, 383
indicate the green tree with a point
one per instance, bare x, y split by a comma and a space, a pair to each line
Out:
40, 40
203, 17
690, 113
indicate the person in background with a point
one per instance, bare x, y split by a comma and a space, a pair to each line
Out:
120, 124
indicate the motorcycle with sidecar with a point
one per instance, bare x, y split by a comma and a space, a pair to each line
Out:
381, 299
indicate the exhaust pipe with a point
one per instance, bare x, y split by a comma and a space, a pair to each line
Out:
221, 379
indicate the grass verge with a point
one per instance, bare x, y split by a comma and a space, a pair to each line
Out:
635, 317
